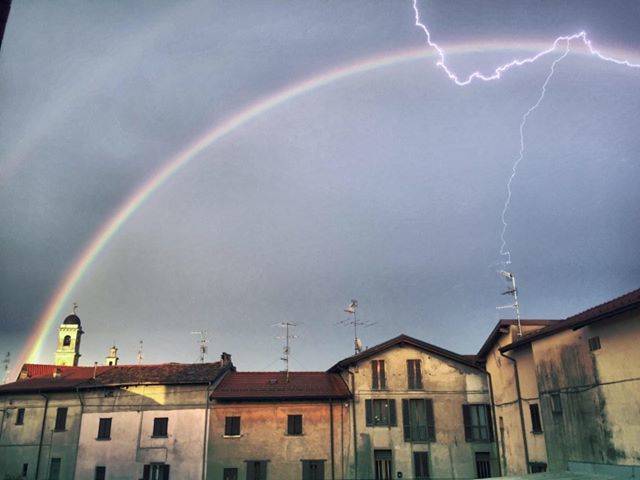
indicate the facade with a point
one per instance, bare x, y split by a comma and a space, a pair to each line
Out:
274, 425
419, 411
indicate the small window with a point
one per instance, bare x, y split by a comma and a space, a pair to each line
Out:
156, 471
232, 426
20, 416
312, 469
160, 426
66, 341
483, 465
61, 419
477, 423
104, 429
101, 473
418, 420
256, 470
414, 374
294, 425
54, 469
380, 412
25, 469
594, 343
378, 377
556, 403
536, 425
420, 465
538, 467
230, 474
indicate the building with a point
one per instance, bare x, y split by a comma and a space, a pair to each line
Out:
277, 425
419, 411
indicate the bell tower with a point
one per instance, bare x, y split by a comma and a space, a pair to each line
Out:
112, 359
69, 333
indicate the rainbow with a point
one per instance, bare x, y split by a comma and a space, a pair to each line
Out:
101, 238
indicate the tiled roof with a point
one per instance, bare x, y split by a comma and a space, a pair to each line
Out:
495, 333
607, 310
274, 386
42, 379
469, 360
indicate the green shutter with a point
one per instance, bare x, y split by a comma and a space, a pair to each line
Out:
393, 421
489, 422
418, 374
406, 425
165, 472
146, 472
368, 408
383, 378
466, 417
431, 421
374, 375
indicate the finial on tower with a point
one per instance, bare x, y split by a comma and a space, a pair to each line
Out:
74, 310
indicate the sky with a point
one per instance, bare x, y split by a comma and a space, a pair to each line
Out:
385, 186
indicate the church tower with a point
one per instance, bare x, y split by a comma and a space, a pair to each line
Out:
69, 334
112, 359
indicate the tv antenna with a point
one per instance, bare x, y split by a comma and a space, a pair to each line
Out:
513, 291
139, 356
352, 309
202, 344
286, 349
6, 362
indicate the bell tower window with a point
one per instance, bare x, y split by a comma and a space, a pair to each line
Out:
67, 341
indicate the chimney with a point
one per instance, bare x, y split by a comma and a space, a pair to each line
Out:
57, 372
225, 359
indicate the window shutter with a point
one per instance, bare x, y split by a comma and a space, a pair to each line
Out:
431, 421
383, 379
406, 425
393, 421
418, 374
489, 422
165, 472
466, 417
374, 375
251, 470
368, 408
290, 425
146, 472
410, 378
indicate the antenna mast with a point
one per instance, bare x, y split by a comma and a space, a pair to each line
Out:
203, 344
353, 321
286, 350
513, 291
139, 356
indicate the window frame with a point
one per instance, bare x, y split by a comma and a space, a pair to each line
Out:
160, 427
378, 375
556, 403
230, 470
414, 374
371, 405
229, 424
426, 465
20, 416
473, 433
411, 431
536, 426
292, 431
101, 435
594, 343
60, 424
100, 472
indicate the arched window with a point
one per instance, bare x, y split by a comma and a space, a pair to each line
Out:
67, 341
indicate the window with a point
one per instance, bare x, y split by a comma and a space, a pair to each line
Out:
477, 423
418, 421
312, 469
536, 425
160, 426
594, 343
54, 469
420, 465
414, 374
378, 379
101, 473
256, 470
230, 474
483, 465
20, 416
25, 469
66, 341
383, 464
61, 419
156, 471
556, 403
104, 429
294, 425
380, 413
537, 467
232, 426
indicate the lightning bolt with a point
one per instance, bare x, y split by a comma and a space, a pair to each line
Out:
497, 73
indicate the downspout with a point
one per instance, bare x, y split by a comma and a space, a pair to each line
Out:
206, 436
79, 430
524, 432
333, 469
353, 416
44, 419
495, 425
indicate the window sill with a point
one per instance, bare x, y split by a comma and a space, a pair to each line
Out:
159, 436
103, 439
232, 436
57, 430
537, 432
294, 434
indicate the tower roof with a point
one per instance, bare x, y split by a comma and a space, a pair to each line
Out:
72, 319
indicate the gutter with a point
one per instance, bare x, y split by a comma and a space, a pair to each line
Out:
353, 416
524, 432
44, 419
495, 425
333, 460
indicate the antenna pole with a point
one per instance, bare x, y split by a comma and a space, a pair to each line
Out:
139, 356
286, 350
513, 291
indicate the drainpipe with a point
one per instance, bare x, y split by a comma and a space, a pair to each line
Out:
333, 468
3, 413
44, 418
79, 429
206, 431
524, 432
495, 425
353, 416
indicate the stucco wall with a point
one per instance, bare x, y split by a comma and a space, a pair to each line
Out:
450, 385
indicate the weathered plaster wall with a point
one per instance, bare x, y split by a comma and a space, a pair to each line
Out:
264, 437
449, 385
19, 443
132, 444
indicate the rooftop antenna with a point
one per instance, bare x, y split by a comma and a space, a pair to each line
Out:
139, 355
513, 291
203, 344
6, 362
286, 349
352, 309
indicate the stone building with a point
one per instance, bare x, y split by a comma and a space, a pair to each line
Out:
419, 411
274, 425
